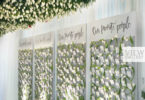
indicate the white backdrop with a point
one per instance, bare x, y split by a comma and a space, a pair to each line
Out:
8, 66
100, 9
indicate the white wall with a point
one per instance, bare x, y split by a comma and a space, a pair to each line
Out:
8, 66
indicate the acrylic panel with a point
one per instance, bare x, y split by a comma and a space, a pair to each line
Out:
71, 63
43, 50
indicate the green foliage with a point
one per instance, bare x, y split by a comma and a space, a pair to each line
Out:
21, 14
143, 94
120, 50
131, 40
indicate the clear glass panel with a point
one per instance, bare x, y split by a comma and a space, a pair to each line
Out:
111, 78
71, 72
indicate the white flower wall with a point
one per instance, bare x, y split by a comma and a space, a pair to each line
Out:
71, 72
43, 73
25, 74
111, 78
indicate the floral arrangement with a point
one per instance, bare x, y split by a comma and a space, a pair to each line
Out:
111, 78
21, 14
25, 75
43, 73
71, 72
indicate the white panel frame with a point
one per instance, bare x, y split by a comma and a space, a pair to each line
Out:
55, 67
33, 68
129, 32
88, 76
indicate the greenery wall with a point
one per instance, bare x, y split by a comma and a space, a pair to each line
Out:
71, 72
112, 79
43, 73
25, 75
